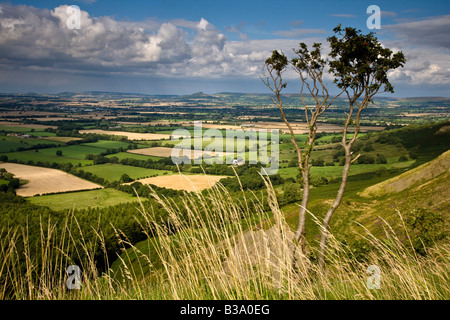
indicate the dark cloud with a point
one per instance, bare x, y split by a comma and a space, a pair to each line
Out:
433, 31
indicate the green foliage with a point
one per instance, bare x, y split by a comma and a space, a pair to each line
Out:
381, 159
360, 61
250, 179
11, 184
423, 142
293, 162
425, 228
366, 159
318, 180
318, 162
125, 178
368, 147
291, 193
278, 61
359, 249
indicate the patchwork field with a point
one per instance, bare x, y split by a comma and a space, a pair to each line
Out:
12, 126
113, 172
45, 180
184, 182
130, 135
167, 152
83, 199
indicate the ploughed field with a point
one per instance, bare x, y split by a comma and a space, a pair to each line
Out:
46, 180
167, 152
183, 182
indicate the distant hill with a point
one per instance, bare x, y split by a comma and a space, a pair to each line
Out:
196, 96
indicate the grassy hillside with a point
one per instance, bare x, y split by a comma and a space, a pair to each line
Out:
425, 172
224, 245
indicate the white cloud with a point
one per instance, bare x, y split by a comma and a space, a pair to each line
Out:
423, 66
203, 24
38, 40
391, 14
31, 38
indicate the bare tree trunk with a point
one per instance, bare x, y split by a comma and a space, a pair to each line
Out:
334, 206
300, 233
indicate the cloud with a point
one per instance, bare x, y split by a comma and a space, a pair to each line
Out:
37, 43
297, 32
426, 45
87, 1
29, 36
388, 14
297, 23
36, 39
423, 66
343, 15
235, 28
432, 31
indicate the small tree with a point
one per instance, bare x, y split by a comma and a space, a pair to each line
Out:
360, 65
58, 152
125, 178
310, 67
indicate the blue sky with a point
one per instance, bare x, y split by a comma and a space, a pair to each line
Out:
180, 47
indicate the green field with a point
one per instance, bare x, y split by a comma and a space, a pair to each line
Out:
128, 155
113, 172
108, 144
43, 157
10, 144
73, 152
83, 199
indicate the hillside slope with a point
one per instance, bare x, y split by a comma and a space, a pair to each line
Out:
423, 173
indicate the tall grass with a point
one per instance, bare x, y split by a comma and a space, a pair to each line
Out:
223, 248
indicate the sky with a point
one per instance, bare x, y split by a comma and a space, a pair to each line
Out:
182, 47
